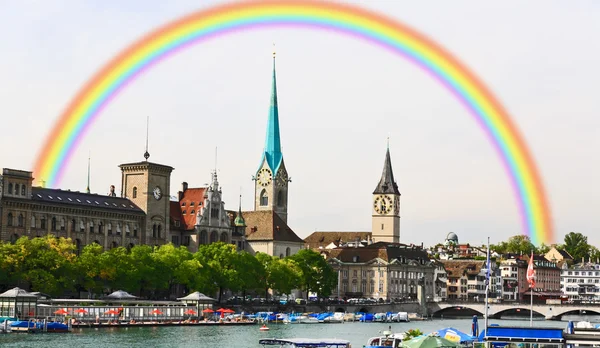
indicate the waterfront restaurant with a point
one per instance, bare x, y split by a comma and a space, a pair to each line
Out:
18, 303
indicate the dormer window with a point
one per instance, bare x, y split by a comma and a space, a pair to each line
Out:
191, 204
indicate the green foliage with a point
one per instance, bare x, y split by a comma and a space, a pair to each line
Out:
50, 265
412, 333
315, 274
519, 244
577, 245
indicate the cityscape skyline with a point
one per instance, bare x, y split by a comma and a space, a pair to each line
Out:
448, 183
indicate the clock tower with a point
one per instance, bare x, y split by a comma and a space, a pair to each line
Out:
271, 179
147, 185
386, 206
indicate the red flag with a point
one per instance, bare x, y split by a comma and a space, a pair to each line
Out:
531, 273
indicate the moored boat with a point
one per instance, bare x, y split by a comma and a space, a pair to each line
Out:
386, 339
305, 342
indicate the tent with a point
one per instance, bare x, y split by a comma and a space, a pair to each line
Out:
121, 295
431, 341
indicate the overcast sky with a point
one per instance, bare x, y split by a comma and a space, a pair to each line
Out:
339, 100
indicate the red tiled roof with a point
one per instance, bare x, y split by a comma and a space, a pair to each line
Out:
267, 225
175, 212
195, 196
322, 239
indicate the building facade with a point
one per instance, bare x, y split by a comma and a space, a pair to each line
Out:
386, 271
581, 282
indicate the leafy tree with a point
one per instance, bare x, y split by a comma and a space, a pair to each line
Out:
543, 249
577, 245
251, 272
519, 244
220, 260
316, 275
88, 268
594, 254
142, 271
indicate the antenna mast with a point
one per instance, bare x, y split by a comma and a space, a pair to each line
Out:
147, 154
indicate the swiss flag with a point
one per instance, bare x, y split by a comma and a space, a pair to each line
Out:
531, 272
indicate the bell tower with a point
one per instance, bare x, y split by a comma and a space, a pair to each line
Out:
386, 206
271, 179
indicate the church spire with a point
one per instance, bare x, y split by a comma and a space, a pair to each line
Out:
273, 141
87, 190
387, 184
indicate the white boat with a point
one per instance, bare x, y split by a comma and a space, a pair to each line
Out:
305, 342
400, 317
337, 317
308, 320
386, 339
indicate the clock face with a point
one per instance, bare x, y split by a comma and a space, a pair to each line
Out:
264, 177
383, 204
283, 175
397, 205
157, 193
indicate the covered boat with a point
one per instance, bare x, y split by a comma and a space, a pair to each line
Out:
305, 342
386, 339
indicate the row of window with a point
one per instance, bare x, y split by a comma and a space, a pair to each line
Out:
583, 273
364, 286
581, 281
18, 189
59, 224
214, 237
191, 204
264, 198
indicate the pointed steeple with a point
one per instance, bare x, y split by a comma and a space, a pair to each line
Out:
273, 141
239, 219
387, 184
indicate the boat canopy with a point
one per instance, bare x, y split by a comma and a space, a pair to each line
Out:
306, 342
524, 334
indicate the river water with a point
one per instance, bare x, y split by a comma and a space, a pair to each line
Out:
235, 336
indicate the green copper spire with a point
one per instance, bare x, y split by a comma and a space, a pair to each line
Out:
273, 141
239, 219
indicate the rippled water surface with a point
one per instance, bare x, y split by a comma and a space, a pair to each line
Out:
233, 336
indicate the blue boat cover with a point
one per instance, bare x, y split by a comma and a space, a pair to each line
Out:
520, 333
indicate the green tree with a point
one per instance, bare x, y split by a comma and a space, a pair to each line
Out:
219, 259
251, 272
518, 244
88, 267
316, 275
577, 245
48, 264
142, 271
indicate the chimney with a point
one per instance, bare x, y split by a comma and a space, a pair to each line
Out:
112, 191
184, 186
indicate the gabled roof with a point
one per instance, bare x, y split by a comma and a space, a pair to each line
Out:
268, 226
192, 200
388, 252
84, 200
324, 238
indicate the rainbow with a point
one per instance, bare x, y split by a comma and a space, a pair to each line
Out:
349, 20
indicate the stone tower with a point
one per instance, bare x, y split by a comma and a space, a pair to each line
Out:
386, 206
148, 186
271, 178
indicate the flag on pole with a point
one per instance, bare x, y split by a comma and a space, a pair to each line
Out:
531, 272
487, 274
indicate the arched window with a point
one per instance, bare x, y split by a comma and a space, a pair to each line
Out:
73, 223
10, 185
17, 189
43, 223
134, 192
33, 222
9, 219
288, 251
154, 231
281, 256
53, 223
14, 238
214, 237
20, 220
203, 237
224, 237
62, 224
81, 226
126, 229
92, 227
280, 198
158, 229
100, 227
264, 198
114, 245
109, 228
130, 246
22, 190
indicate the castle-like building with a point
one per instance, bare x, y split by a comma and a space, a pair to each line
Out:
144, 213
